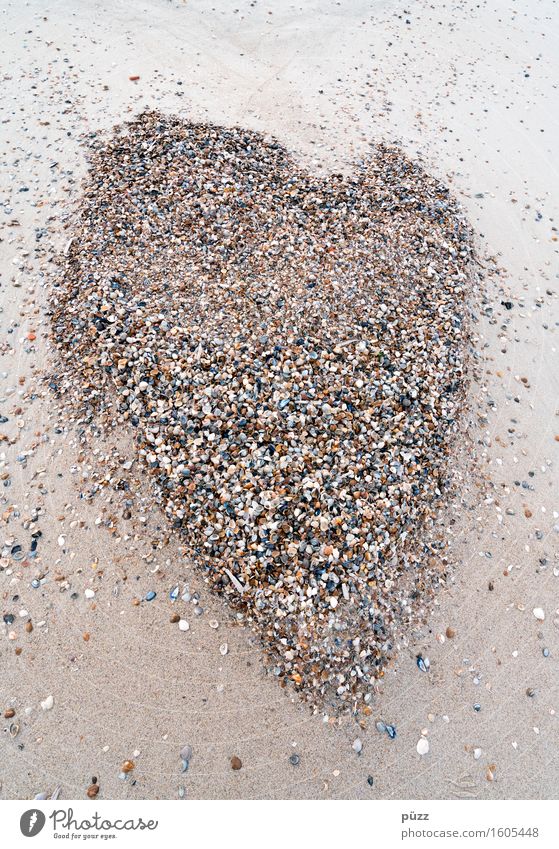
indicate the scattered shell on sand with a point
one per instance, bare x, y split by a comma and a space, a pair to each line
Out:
422, 746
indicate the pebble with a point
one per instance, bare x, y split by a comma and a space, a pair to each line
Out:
294, 760
357, 746
48, 703
539, 613
183, 625
236, 762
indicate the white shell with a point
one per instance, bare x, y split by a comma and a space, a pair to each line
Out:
422, 746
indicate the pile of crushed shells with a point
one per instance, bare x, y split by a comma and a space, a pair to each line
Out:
291, 355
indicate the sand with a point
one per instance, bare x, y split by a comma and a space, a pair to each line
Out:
469, 88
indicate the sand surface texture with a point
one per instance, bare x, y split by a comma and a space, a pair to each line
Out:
96, 681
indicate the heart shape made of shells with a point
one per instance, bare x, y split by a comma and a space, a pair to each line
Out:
290, 352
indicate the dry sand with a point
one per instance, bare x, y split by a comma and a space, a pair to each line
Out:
470, 86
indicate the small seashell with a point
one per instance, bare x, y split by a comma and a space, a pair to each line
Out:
423, 663
48, 703
128, 766
174, 594
422, 746
223, 649
490, 772
183, 625
539, 613
14, 729
186, 752
213, 623
357, 746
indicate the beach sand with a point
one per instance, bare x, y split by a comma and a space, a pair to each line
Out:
468, 87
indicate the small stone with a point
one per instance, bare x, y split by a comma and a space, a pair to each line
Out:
539, 613
48, 703
183, 625
9, 713
127, 766
236, 762
174, 618
370, 780
150, 595
294, 760
450, 633
357, 746
92, 791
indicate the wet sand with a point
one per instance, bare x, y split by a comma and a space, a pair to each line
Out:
468, 88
